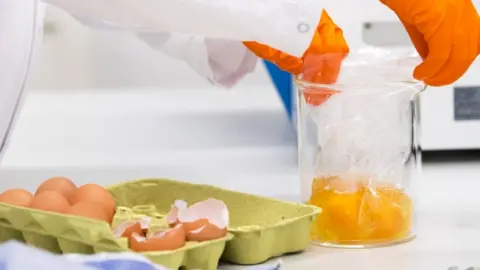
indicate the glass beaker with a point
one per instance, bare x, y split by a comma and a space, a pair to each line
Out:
20, 26
359, 158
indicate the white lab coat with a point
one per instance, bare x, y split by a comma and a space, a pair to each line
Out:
207, 34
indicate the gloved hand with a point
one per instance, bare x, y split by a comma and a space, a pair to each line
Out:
446, 34
322, 60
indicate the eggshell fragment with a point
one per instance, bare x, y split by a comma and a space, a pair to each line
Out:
206, 232
203, 221
212, 210
134, 228
170, 239
129, 227
172, 216
61, 185
197, 224
18, 197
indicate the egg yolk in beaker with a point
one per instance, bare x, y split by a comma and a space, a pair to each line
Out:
359, 213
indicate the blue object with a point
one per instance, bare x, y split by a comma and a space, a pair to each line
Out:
121, 265
283, 83
18, 256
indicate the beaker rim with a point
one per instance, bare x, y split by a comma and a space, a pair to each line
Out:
301, 83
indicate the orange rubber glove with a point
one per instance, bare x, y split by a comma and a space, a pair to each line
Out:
322, 60
444, 32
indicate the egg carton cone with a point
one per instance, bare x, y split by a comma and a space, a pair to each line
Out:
263, 228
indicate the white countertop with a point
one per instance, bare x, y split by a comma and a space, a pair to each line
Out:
238, 140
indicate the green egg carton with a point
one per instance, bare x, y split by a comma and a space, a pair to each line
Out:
60, 233
57, 233
263, 228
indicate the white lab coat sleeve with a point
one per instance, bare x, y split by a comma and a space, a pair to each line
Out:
207, 29
222, 62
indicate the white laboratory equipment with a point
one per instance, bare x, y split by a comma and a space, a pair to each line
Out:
20, 33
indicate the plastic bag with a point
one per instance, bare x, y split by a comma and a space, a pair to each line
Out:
364, 128
372, 65
358, 148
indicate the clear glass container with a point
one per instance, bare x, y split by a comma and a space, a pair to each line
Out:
359, 158
20, 27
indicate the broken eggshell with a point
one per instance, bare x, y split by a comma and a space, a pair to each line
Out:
129, 227
169, 239
206, 232
172, 216
203, 221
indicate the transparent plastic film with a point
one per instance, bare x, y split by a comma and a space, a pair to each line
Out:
358, 149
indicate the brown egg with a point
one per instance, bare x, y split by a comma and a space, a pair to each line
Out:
166, 240
61, 185
18, 197
50, 201
94, 193
206, 233
89, 209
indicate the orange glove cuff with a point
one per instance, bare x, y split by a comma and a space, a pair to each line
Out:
321, 61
